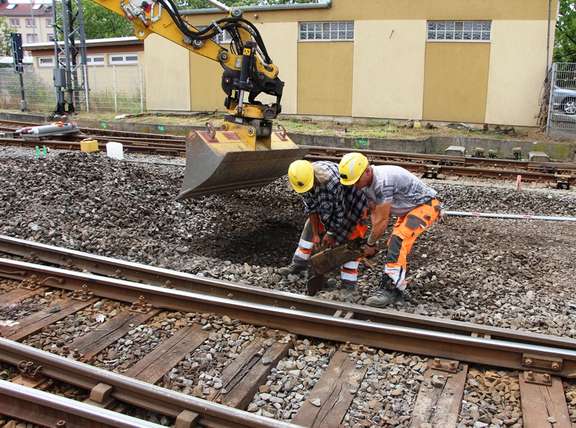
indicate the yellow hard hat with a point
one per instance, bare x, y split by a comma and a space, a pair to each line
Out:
351, 168
301, 176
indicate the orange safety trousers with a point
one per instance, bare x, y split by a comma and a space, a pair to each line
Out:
405, 232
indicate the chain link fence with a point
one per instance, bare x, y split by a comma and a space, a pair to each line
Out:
119, 89
562, 100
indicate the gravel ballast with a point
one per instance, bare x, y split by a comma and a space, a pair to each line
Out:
508, 273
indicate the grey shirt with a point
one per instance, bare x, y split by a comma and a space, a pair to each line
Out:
399, 187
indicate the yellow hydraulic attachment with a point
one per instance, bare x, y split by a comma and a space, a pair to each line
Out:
246, 151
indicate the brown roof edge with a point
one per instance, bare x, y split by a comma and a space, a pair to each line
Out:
114, 41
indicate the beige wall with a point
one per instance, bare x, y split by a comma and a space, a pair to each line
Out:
101, 77
389, 69
206, 92
167, 72
403, 9
517, 72
325, 71
282, 43
456, 80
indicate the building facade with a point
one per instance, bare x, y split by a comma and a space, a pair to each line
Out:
475, 61
114, 68
32, 20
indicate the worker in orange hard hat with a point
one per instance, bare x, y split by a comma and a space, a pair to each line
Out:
391, 190
335, 215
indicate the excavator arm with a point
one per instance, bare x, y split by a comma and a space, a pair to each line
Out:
245, 152
247, 66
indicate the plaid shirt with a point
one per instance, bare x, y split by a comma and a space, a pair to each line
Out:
340, 207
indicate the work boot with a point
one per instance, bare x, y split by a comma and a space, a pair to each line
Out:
292, 269
349, 286
348, 290
331, 284
386, 295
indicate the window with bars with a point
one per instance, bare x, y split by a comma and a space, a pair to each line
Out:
47, 61
123, 59
319, 31
462, 31
96, 60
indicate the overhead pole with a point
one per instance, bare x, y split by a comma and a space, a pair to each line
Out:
70, 70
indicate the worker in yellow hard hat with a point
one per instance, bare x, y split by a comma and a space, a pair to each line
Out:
391, 191
335, 214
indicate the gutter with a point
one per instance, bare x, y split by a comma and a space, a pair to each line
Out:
327, 4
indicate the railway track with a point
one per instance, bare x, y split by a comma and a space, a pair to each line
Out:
560, 174
69, 283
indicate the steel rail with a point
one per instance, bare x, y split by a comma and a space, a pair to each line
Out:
137, 272
509, 216
43, 408
486, 351
133, 391
381, 155
129, 146
460, 170
98, 131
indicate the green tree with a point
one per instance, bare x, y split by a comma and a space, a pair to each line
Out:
565, 49
199, 4
5, 31
101, 23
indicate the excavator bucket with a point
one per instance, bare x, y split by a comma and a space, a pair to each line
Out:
219, 161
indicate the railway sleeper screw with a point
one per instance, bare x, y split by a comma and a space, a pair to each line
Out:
528, 362
61, 423
555, 365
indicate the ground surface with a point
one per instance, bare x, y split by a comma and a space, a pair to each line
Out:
367, 128
516, 274
507, 273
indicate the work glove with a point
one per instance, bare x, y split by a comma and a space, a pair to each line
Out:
328, 241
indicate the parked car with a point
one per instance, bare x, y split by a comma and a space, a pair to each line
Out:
565, 100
